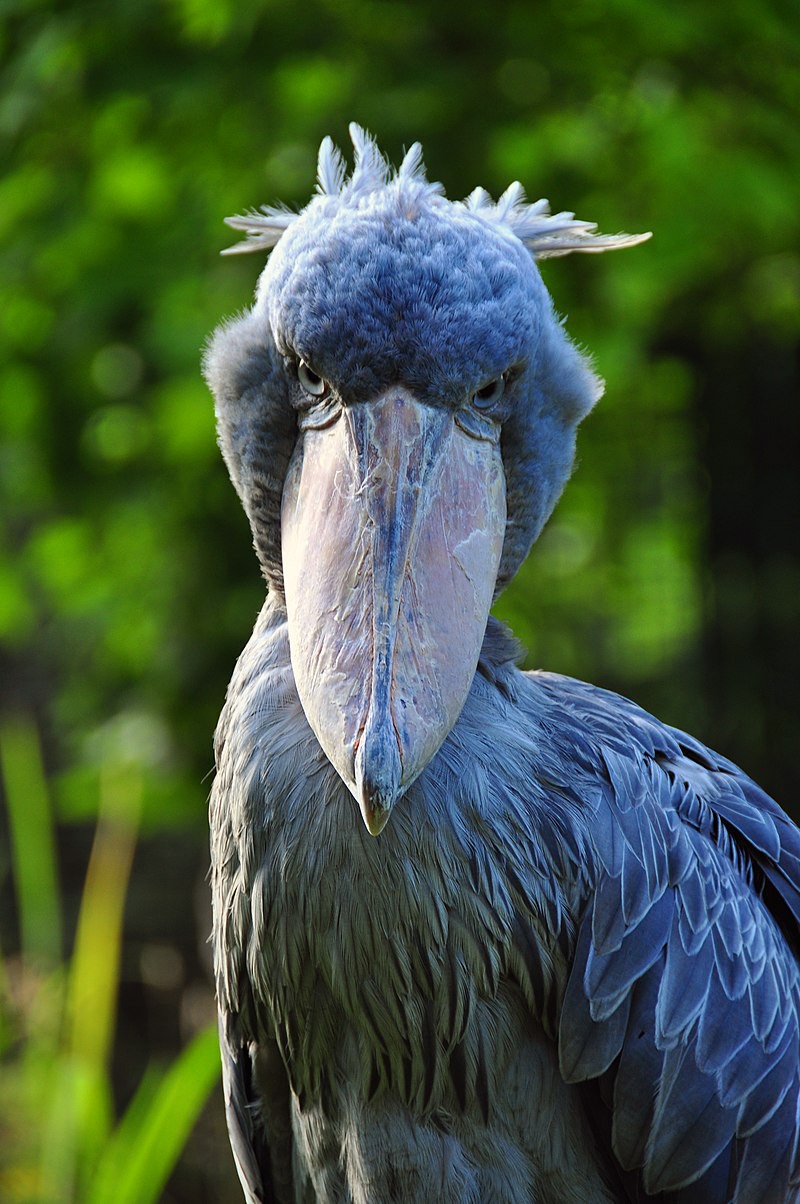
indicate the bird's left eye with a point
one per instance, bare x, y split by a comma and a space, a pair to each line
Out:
490, 393
310, 380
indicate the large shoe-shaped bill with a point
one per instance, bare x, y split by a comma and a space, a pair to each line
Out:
392, 528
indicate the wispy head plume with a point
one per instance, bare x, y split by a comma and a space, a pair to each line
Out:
544, 233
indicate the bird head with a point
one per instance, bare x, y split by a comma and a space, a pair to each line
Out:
398, 412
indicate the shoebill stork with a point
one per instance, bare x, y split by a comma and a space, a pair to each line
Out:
480, 935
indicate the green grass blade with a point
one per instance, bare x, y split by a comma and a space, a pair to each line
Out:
144, 1148
94, 970
77, 1113
33, 846
76, 1132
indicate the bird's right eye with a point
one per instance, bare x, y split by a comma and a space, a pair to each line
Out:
490, 393
310, 380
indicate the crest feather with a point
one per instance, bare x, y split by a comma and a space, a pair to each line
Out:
263, 229
370, 169
331, 169
511, 200
412, 167
545, 234
479, 198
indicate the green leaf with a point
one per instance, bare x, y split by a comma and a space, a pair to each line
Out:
30, 819
143, 1150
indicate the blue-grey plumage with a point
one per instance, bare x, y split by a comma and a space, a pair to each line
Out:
554, 958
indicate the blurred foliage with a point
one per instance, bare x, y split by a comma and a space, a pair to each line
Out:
127, 584
57, 1019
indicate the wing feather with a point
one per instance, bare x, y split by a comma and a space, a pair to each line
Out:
684, 990
243, 1114
677, 1008
770, 1161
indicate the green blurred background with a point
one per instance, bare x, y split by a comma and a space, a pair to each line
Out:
670, 571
